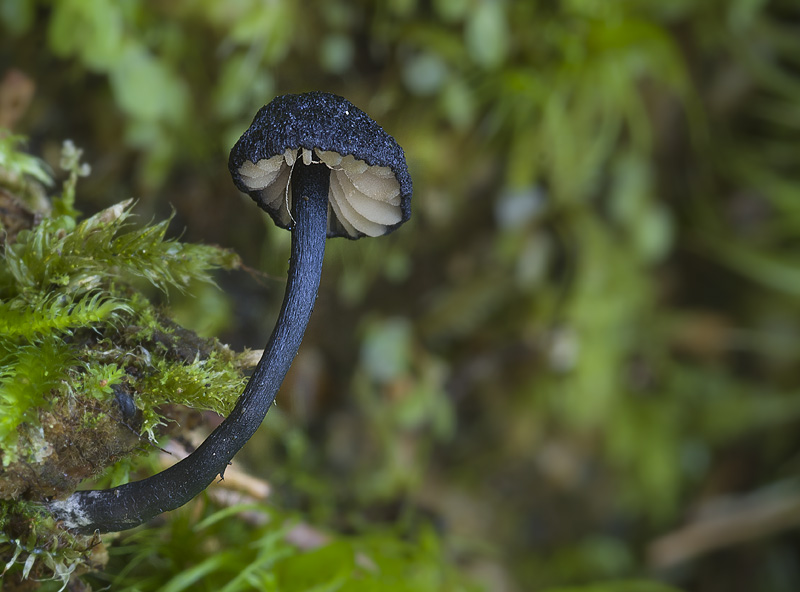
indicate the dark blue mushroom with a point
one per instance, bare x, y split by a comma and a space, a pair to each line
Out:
321, 168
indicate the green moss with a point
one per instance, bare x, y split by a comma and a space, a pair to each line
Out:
66, 277
27, 375
88, 365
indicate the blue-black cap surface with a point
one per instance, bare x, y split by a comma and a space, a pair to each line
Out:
324, 121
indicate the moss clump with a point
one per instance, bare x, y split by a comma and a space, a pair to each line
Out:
89, 367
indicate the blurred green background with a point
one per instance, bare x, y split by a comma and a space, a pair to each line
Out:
579, 361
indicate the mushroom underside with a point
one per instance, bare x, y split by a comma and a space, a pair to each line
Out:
362, 199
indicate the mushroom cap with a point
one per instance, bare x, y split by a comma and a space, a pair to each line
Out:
370, 188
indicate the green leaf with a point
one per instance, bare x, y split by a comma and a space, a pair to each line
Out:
101, 27
146, 89
17, 15
487, 34
17, 163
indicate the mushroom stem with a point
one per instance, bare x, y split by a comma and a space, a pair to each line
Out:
134, 503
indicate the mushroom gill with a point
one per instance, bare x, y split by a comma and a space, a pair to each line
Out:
364, 199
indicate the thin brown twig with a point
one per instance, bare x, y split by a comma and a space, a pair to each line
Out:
738, 520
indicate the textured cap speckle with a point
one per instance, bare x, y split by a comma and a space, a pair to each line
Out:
370, 185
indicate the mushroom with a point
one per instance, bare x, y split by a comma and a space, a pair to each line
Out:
321, 168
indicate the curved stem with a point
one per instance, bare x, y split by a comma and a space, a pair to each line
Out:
134, 503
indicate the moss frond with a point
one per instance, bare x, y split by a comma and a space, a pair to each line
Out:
17, 164
99, 380
64, 205
59, 314
27, 376
212, 384
103, 249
